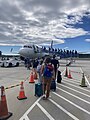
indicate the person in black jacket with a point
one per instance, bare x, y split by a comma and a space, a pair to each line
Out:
34, 65
55, 62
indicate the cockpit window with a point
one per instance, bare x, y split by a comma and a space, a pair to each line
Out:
25, 46
29, 46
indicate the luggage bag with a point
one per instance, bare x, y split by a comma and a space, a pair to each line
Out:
53, 85
38, 89
59, 77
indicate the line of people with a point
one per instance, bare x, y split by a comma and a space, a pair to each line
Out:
47, 70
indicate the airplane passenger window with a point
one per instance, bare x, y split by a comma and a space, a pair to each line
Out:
27, 46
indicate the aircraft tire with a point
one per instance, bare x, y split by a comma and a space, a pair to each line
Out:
17, 64
10, 65
2, 65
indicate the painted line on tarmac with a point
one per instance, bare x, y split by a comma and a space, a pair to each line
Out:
74, 90
76, 86
81, 70
84, 110
74, 80
87, 81
65, 111
74, 96
30, 109
63, 71
85, 77
76, 72
67, 77
70, 81
45, 112
25, 118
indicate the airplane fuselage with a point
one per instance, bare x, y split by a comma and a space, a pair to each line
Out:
31, 53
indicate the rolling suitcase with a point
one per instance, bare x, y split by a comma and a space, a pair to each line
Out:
53, 85
59, 77
38, 89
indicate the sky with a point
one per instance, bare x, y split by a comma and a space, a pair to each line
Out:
66, 22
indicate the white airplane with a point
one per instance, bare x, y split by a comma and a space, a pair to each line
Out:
32, 51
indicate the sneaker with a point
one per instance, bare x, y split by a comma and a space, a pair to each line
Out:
44, 98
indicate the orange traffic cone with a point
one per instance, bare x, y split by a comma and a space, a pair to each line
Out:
66, 73
4, 114
21, 93
31, 78
69, 76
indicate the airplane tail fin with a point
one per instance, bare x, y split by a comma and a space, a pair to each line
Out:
51, 44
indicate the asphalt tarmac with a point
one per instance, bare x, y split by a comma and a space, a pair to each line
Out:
69, 102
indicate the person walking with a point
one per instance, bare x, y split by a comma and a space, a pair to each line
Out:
35, 64
55, 62
47, 72
34, 67
39, 71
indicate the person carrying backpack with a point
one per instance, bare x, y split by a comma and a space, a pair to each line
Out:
47, 72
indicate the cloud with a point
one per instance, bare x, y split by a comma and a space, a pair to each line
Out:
87, 40
66, 48
37, 21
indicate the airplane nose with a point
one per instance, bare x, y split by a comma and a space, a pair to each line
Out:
22, 52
